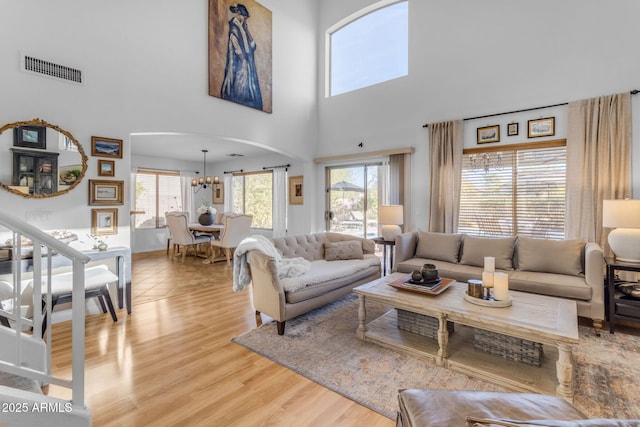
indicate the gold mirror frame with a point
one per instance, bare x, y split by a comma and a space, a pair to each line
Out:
38, 122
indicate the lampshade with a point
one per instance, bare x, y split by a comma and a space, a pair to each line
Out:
624, 216
390, 216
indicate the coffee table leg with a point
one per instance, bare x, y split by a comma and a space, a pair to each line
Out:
564, 371
362, 317
443, 340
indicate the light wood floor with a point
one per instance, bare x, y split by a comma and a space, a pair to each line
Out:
172, 361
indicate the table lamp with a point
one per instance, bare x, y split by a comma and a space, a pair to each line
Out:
391, 216
624, 217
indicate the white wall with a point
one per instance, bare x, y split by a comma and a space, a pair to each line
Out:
145, 68
470, 58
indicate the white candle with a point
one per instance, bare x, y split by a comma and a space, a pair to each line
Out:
501, 286
487, 279
489, 264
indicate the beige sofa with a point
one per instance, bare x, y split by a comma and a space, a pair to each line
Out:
438, 408
339, 263
563, 268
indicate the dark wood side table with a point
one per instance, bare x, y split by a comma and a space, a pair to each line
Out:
385, 243
619, 305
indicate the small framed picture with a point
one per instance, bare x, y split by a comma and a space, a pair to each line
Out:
104, 192
489, 134
217, 190
30, 137
296, 190
106, 168
542, 127
512, 129
104, 221
106, 147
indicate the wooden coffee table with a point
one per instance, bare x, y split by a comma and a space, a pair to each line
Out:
539, 318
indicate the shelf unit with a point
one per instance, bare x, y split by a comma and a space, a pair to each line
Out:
36, 171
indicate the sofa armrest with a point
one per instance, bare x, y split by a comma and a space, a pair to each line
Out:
594, 276
405, 247
268, 293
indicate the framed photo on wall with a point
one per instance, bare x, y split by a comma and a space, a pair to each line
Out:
217, 196
106, 147
106, 168
30, 137
296, 190
104, 192
512, 129
542, 127
489, 134
104, 221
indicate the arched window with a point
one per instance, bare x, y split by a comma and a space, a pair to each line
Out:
369, 47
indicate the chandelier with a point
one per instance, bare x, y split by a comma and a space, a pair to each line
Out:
204, 180
485, 161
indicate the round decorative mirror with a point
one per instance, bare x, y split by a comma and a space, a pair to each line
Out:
41, 160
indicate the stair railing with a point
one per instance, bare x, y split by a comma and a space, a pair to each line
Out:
44, 246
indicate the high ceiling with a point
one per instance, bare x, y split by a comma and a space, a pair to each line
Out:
188, 147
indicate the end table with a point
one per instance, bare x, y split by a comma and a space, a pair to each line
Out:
619, 305
385, 243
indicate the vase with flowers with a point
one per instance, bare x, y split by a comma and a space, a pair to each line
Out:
207, 213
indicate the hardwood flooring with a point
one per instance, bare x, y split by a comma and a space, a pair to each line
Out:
172, 361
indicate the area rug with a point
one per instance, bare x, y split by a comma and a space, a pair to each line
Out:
322, 346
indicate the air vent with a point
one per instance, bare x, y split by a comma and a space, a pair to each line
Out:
50, 69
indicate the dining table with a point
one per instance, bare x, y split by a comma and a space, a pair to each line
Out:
215, 230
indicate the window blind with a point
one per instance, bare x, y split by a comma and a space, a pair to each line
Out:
514, 192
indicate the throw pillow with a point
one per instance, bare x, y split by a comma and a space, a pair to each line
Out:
348, 249
440, 246
550, 256
474, 249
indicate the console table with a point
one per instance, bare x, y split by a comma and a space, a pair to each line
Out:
620, 306
121, 254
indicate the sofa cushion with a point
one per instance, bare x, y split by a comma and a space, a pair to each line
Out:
487, 422
440, 246
474, 249
550, 256
553, 284
325, 276
416, 407
349, 249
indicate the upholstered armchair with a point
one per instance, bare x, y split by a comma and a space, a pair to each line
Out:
181, 235
236, 228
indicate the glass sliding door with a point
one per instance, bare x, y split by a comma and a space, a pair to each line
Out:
353, 193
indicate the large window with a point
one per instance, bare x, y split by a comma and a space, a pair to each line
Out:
157, 192
253, 195
519, 190
370, 48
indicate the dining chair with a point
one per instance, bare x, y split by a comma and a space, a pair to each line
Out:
182, 236
236, 228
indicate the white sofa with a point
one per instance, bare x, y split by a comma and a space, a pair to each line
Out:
569, 269
338, 262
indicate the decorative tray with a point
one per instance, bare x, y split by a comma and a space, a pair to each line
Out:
406, 285
487, 302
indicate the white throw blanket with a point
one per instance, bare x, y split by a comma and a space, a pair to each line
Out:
286, 267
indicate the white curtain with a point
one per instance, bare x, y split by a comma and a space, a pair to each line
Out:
186, 193
598, 162
228, 192
279, 202
400, 185
445, 141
